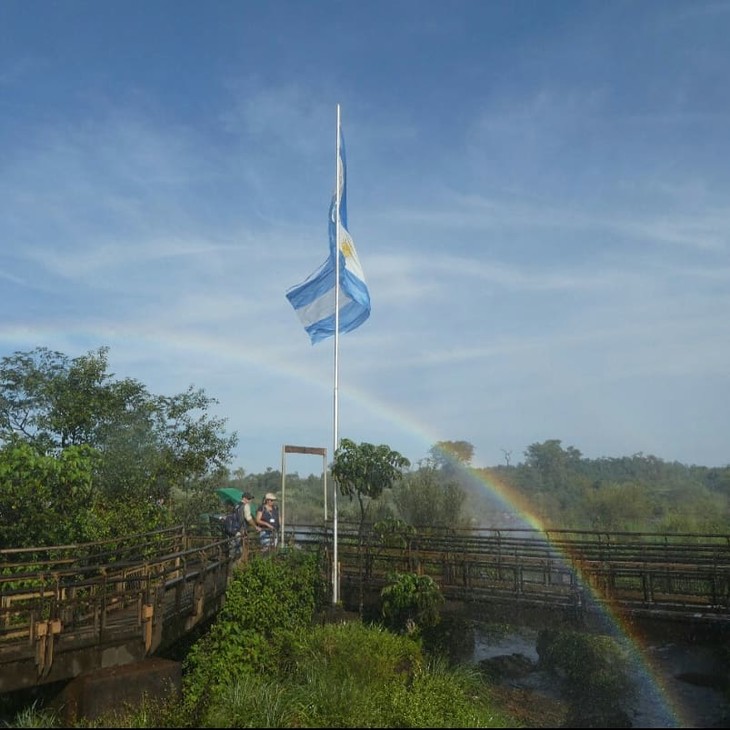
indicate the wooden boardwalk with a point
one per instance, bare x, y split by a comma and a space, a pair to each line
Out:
69, 610
653, 576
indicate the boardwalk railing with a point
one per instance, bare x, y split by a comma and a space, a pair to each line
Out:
640, 574
69, 609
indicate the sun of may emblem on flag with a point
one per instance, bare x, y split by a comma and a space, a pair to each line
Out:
319, 301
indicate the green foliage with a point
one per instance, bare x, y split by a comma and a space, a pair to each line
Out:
358, 676
446, 453
451, 639
550, 462
364, 653
446, 697
410, 602
100, 451
350, 675
343, 675
263, 664
394, 533
33, 716
430, 498
617, 507
147, 443
631, 493
53, 402
364, 470
556, 484
162, 710
267, 600
350, 672
48, 500
595, 668
253, 701
52, 499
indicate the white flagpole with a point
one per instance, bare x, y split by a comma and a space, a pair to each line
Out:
338, 173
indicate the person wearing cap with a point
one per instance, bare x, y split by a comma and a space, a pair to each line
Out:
267, 518
248, 519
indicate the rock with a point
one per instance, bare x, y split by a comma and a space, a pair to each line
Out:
700, 679
507, 666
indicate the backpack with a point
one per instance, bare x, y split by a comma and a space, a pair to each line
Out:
232, 523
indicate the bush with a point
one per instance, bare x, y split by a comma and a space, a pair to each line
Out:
597, 681
267, 601
411, 602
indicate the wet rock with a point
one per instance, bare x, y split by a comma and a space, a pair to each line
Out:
700, 679
507, 666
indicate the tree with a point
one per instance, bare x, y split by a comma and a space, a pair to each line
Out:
364, 471
52, 402
146, 445
552, 463
617, 506
38, 494
447, 453
427, 498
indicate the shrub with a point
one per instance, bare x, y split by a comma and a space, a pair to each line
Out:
267, 600
411, 602
596, 671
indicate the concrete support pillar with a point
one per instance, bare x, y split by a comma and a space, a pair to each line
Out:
90, 696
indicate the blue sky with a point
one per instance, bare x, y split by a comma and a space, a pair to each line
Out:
538, 191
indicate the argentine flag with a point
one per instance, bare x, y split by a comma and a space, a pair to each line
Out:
314, 299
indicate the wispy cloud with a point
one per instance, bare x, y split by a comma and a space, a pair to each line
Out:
542, 218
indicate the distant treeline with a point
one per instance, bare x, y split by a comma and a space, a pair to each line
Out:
556, 486
639, 492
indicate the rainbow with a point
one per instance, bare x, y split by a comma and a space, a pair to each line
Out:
648, 676
153, 340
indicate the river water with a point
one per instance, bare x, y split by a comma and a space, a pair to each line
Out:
679, 684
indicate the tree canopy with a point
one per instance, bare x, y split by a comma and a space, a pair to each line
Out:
365, 470
76, 436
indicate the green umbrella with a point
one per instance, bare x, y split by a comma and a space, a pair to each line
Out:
228, 494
